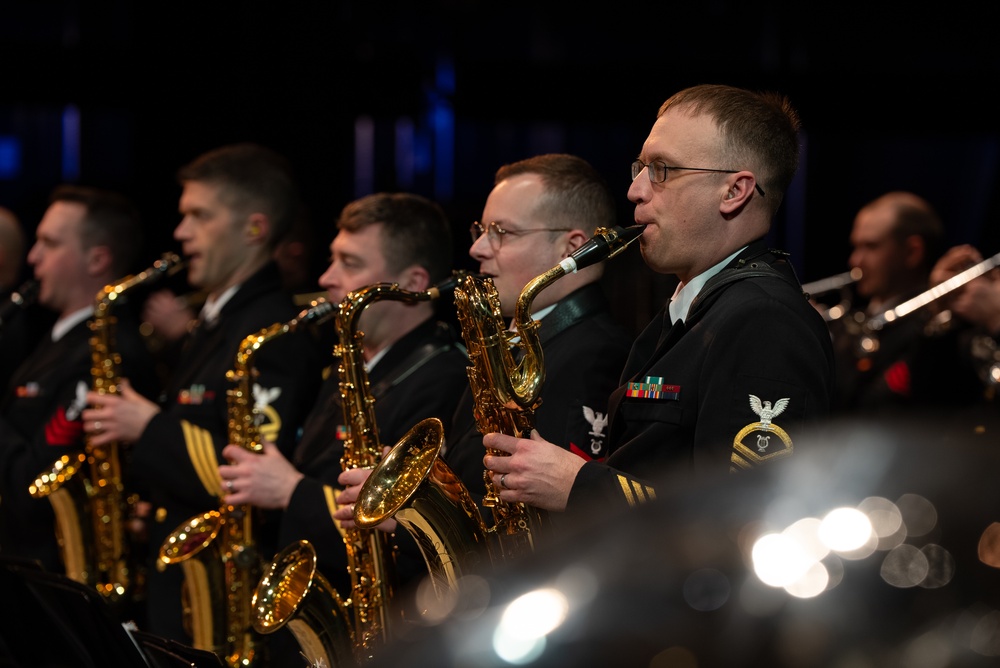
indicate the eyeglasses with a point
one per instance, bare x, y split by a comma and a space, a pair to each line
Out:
495, 233
657, 171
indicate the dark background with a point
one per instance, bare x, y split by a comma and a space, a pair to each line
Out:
892, 96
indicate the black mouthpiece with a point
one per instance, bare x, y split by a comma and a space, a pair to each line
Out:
606, 243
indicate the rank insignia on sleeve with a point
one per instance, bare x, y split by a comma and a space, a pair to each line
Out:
652, 387
761, 441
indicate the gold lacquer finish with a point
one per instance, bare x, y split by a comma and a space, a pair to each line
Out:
87, 490
286, 595
218, 550
413, 485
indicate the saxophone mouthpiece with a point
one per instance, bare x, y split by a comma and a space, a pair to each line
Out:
450, 283
605, 244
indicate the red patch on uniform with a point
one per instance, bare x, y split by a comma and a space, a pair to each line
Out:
62, 431
897, 377
580, 453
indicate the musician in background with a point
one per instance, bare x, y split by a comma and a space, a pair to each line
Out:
958, 360
11, 250
22, 322
539, 211
87, 238
896, 239
237, 202
738, 365
414, 361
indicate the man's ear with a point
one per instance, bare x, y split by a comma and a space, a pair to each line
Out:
258, 227
415, 279
99, 260
573, 240
914, 251
739, 190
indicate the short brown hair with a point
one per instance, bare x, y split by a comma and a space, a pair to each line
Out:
576, 195
759, 130
110, 220
415, 230
251, 178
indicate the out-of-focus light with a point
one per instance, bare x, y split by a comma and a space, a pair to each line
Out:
905, 566
520, 635
806, 533
919, 514
779, 560
989, 546
812, 583
845, 529
706, 589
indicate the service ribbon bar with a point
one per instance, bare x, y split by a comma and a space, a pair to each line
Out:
652, 387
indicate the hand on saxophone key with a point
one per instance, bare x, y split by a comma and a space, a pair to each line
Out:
118, 417
537, 473
264, 479
352, 480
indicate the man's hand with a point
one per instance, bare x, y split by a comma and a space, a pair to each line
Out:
263, 479
537, 472
352, 480
117, 417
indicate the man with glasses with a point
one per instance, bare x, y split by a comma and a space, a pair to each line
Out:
540, 210
740, 363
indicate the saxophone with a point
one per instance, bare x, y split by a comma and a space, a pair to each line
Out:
92, 508
292, 592
416, 487
217, 549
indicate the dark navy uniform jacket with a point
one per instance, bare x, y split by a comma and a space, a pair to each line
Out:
178, 454
730, 389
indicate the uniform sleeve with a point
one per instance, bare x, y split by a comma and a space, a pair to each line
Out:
181, 446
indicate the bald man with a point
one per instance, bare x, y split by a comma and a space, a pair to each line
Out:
896, 239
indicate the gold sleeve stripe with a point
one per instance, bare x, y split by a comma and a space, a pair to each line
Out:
635, 492
201, 450
331, 494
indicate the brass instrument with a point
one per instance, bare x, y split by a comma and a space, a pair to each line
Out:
18, 299
869, 342
413, 485
91, 510
218, 549
292, 591
833, 283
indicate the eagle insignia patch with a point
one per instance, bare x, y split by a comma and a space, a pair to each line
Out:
761, 441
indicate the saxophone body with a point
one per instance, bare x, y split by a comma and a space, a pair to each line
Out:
87, 489
292, 592
422, 493
218, 550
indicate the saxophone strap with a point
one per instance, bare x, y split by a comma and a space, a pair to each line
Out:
570, 310
416, 359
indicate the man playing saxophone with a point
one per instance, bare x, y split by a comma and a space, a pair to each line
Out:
414, 363
539, 211
236, 203
88, 238
739, 362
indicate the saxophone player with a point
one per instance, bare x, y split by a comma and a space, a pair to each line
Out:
236, 203
538, 212
739, 363
87, 238
414, 361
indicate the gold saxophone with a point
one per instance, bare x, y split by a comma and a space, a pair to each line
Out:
416, 487
92, 509
218, 550
330, 631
